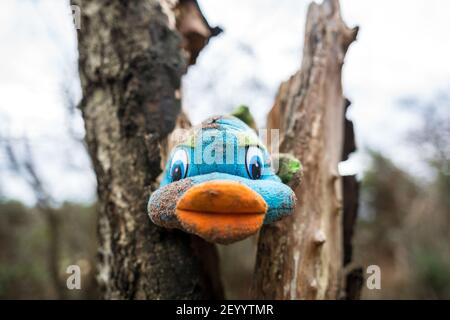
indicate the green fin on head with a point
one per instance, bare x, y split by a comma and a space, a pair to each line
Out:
243, 113
289, 169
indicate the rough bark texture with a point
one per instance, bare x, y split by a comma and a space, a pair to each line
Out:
354, 282
301, 257
194, 28
351, 196
131, 61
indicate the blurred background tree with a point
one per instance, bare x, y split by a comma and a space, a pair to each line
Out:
405, 220
24, 243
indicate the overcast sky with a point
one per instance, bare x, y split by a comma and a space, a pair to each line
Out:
402, 51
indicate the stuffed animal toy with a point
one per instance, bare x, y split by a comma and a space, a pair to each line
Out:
218, 183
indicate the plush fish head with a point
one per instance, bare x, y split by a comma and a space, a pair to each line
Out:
218, 183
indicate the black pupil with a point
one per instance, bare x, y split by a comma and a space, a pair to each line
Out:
256, 170
176, 173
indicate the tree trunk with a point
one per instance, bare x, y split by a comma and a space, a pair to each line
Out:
301, 257
132, 58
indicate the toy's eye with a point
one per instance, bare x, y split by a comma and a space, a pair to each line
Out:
254, 162
179, 165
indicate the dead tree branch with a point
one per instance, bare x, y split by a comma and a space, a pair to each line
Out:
301, 257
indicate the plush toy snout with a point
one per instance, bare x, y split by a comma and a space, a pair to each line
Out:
221, 210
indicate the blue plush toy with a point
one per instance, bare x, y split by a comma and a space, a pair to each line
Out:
218, 183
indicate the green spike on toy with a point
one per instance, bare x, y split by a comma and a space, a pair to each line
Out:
289, 168
243, 113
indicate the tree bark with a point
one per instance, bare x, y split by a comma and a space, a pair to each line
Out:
132, 58
301, 257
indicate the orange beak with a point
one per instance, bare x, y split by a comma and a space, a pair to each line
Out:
221, 211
